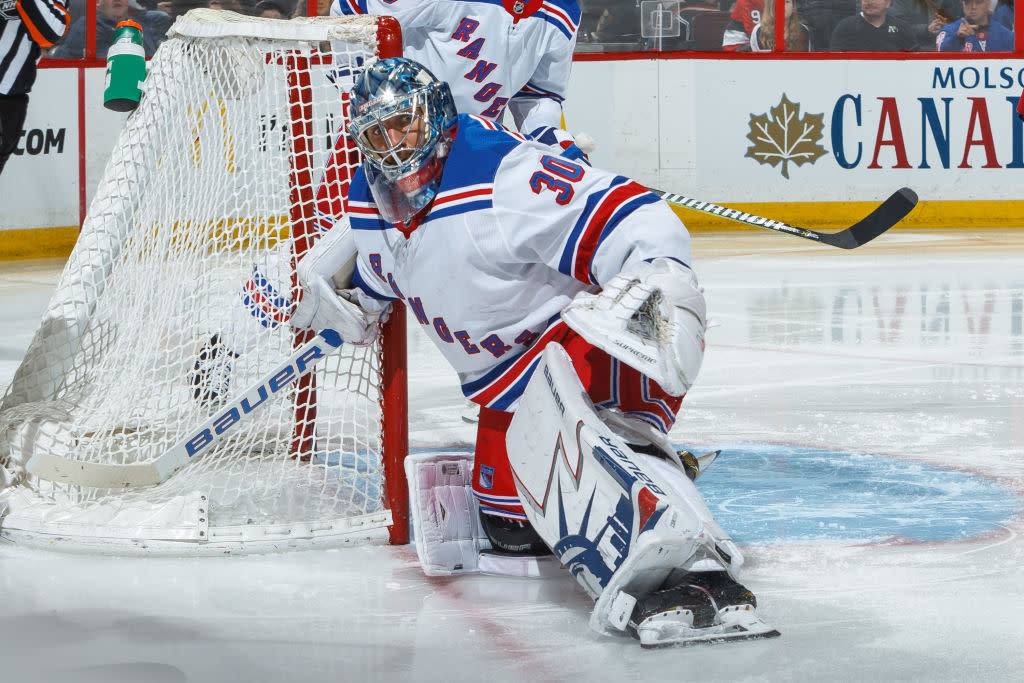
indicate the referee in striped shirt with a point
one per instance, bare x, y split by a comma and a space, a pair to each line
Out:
26, 27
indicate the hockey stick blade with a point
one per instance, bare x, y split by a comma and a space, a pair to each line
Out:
197, 440
886, 215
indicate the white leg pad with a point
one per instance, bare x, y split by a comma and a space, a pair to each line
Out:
616, 524
446, 522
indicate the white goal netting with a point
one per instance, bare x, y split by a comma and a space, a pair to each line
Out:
214, 185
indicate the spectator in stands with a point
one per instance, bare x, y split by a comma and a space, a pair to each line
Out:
109, 13
797, 35
873, 30
228, 6
746, 14
1004, 13
591, 12
27, 28
268, 9
822, 17
926, 18
323, 8
975, 32
179, 7
76, 9
620, 23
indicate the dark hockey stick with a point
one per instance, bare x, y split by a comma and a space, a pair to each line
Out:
887, 214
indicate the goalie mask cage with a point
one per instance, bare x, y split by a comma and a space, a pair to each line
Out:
216, 171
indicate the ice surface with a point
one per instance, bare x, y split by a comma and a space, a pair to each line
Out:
870, 408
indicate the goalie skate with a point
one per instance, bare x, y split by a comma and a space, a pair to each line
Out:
708, 607
675, 628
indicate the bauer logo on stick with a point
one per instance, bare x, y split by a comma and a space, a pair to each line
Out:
228, 418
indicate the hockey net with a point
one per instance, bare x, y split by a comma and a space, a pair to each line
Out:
217, 171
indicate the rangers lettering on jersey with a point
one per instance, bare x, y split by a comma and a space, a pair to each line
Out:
493, 55
517, 233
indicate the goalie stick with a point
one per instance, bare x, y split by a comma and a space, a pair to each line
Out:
887, 214
197, 440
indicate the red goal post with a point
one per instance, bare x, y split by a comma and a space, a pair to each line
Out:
210, 195
394, 391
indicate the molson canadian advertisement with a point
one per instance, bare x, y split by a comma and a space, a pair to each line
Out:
784, 131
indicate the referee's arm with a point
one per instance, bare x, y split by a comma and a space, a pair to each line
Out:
46, 20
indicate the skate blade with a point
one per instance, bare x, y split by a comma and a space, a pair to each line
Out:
735, 624
705, 460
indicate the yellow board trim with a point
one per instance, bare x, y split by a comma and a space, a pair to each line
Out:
835, 215
58, 242
16, 245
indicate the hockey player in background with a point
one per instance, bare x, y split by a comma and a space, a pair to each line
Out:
563, 297
514, 55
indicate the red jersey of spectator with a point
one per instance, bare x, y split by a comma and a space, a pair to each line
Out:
745, 16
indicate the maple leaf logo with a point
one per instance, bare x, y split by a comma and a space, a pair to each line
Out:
782, 136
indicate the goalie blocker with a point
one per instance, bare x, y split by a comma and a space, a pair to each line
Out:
631, 528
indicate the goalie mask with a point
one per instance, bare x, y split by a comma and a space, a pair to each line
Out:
401, 120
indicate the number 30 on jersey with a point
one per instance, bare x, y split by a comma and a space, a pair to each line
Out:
557, 176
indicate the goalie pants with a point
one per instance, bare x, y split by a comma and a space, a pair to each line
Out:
609, 383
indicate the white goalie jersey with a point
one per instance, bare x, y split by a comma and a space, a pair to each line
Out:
492, 54
514, 233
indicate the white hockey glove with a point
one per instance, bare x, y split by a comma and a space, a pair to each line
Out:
586, 143
332, 257
650, 316
322, 306
325, 273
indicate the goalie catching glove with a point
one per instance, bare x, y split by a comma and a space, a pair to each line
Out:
650, 316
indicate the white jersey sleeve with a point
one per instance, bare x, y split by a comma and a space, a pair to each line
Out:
584, 222
539, 102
